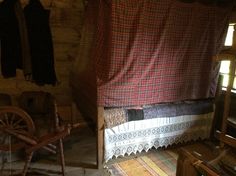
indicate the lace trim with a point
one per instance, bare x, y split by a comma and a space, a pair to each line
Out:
137, 141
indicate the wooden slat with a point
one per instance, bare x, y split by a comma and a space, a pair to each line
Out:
199, 164
225, 56
229, 140
232, 122
100, 137
49, 138
227, 99
81, 164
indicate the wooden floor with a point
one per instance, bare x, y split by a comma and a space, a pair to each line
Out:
80, 150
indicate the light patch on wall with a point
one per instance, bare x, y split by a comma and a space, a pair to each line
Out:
225, 65
229, 37
224, 70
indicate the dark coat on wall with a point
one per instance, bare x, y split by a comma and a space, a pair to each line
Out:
26, 42
40, 39
11, 56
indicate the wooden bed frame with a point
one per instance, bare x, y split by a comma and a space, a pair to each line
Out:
98, 113
89, 108
221, 135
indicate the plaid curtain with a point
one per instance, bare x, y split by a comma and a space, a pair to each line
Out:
153, 51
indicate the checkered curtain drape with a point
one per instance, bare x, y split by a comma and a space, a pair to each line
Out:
153, 51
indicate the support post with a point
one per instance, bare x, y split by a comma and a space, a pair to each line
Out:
100, 137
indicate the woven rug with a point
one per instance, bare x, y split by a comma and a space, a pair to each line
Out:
153, 163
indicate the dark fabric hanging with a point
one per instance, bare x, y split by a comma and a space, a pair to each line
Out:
11, 56
40, 39
24, 41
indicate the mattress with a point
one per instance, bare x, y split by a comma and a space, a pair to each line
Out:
159, 131
117, 116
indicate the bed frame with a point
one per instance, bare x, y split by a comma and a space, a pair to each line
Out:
88, 107
99, 126
90, 110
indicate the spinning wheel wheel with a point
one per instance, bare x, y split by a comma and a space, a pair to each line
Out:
14, 123
17, 132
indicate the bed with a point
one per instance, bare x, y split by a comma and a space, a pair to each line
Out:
134, 130
145, 74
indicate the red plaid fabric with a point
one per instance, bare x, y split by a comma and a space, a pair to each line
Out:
153, 51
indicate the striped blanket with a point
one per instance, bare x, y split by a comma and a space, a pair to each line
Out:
154, 163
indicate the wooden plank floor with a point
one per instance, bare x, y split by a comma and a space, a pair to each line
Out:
79, 150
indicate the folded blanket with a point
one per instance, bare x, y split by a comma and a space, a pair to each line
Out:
114, 117
178, 109
117, 116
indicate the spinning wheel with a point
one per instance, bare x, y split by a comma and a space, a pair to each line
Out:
14, 123
17, 131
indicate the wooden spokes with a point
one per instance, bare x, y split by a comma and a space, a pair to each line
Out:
13, 119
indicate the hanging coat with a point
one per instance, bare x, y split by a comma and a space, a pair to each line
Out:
11, 56
40, 39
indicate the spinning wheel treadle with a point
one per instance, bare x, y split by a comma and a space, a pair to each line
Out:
14, 120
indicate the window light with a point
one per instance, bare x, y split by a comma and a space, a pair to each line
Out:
225, 65
229, 37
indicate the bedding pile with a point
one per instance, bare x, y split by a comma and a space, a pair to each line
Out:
161, 126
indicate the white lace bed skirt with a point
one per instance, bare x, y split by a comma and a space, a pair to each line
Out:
136, 136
